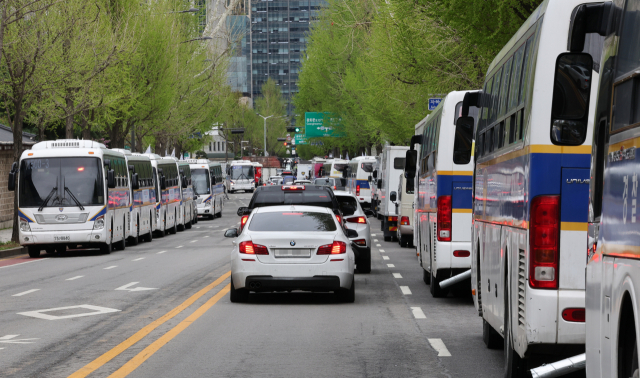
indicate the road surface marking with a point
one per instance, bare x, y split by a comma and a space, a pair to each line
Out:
206, 236
439, 346
179, 246
111, 267
378, 245
115, 351
405, 290
210, 226
381, 250
96, 310
161, 252
138, 259
397, 275
126, 287
418, 314
385, 257
193, 241
9, 339
373, 234
73, 278
197, 226
25, 293
375, 240
147, 352
391, 266
26, 262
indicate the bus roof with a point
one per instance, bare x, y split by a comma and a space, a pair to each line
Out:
67, 143
198, 161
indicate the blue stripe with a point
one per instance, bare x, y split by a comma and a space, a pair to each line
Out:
23, 215
364, 184
102, 211
445, 183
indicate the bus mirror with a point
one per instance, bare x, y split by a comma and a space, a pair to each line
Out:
107, 163
375, 174
570, 104
135, 183
410, 186
393, 196
12, 181
410, 164
184, 181
213, 180
463, 141
370, 179
132, 168
163, 183
111, 179
588, 18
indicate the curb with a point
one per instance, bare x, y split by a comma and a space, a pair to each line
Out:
13, 252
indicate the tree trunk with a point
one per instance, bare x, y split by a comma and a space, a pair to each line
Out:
86, 125
17, 152
3, 25
68, 124
178, 147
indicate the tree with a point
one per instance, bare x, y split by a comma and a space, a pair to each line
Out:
271, 103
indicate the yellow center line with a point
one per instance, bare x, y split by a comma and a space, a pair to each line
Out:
115, 351
141, 357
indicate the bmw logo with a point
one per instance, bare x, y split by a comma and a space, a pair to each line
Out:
292, 243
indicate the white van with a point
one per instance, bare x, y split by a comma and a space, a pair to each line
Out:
391, 166
404, 209
358, 172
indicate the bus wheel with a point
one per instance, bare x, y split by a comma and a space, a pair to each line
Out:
627, 345
426, 277
514, 365
163, 231
107, 247
34, 251
436, 290
490, 336
173, 229
134, 240
122, 244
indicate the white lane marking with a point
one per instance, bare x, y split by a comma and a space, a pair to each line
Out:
206, 236
385, 257
138, 259
210, 226
381, 250
405, 290
25, 293
73, 278
111, 267
439, 346
161, 252
378, 245
96, 310
193, 241
179, 246
8, 339
375, 240
417, 313
373, 234
197, 226
140, 288
391, 266
397, 275
26, 262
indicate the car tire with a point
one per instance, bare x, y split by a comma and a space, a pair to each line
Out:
387, 238
364, 262
404, 241
34, 251
436, 290
490, 336
426, 277
347, 295
238, 295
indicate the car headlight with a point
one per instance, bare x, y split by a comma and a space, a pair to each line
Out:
24, 225
98, 224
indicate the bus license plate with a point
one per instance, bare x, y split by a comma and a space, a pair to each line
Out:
61, 238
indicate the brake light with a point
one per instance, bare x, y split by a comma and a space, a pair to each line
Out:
336, 248
444, 218
357, 190
393, 219
339, 218
360, 242
461, 253
543, 242
573, 314
243, 221
253, 249
357, 220
404, 221
293, 187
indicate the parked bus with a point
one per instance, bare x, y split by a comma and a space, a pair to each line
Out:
142, 197
334, 168
375, 198
201, 182
240, 176
187, 205
217, 188
532, 153
171, 192
359, 170
71, 193
418, 215
613, 243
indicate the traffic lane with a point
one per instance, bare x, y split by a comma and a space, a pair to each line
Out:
170, 273
299, 334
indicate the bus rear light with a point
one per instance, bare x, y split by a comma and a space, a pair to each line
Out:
404, 221
393, 219
461, 253
544, 232
361, 220
336, 248
357, 190
247, 247
574, 315
444, 218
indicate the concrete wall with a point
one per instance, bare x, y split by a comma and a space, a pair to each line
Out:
6, 197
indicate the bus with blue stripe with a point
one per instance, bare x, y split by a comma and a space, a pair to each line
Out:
530, 199
359, 170
442, 218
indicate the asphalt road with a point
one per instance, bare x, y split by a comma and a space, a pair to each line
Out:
162, 309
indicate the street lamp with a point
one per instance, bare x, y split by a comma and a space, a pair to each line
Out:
265, 130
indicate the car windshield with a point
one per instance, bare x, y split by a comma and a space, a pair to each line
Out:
241, 172
345, 200
292, 221
288, 180
323, 181
200, 181
70, 177
367, 167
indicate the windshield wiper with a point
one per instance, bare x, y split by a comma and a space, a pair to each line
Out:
74, 198
46, 200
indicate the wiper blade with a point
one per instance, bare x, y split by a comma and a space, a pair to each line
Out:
46, 200
74, 198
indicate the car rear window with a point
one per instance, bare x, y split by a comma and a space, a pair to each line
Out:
343, 200
294, 221
307, 197
323, 182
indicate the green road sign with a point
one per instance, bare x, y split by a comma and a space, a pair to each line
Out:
300, 139
318, 125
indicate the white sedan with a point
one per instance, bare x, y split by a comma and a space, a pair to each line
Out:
285, 248
355, 218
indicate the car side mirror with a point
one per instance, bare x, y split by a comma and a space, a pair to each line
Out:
463, 140
111, 179
135, 182
393, 196
243, 210
231, 233
352, 233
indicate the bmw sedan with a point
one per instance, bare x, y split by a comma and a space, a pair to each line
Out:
287, 248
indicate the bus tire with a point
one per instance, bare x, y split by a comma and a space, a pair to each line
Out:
107, 247
426, 277
490, 336
134, 240
34, 251
514, 365
187, 225
163, 231
436, 290
173, 230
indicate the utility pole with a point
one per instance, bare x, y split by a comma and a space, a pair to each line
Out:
265, 131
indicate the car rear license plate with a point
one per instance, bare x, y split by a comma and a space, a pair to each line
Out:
60, 238
297, 252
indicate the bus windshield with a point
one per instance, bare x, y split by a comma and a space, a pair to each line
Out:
200, 181
65, 180
241, 172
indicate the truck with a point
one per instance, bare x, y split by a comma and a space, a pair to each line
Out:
391, 167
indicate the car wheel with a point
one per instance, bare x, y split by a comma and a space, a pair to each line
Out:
490, 336
34, 251
426, 277
238, 295
364, 262
347, 295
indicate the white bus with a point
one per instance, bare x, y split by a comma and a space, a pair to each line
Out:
443, 199
217, 188
334, 168
161, 226
188, 204
171, 193
201, 181
240, 176
71, 193
391, 166
358, 172
532, 158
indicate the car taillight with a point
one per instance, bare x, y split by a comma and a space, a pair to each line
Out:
243, 221
573, 314
360, 242
336, 248
404, 221
334, 187
544, 235
444, 218
461, 253
293, 187
357, 190
356, 220
249, 248
339, 218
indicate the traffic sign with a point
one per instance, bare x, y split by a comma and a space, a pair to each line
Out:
288, 138
433, 103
